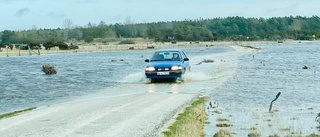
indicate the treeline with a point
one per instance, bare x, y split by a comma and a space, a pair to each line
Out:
217, 29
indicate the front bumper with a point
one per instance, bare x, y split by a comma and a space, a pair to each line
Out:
172, 74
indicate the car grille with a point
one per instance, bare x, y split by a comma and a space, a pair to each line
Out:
163, 69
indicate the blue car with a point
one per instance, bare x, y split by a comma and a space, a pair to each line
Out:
167, 64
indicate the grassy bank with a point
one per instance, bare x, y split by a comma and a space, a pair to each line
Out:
16, 112
190, 122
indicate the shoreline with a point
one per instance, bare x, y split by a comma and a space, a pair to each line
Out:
144, 45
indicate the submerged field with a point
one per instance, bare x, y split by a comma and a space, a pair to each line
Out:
244, 100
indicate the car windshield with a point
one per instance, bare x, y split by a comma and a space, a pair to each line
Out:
166, 55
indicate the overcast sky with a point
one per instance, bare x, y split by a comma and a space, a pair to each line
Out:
24, 14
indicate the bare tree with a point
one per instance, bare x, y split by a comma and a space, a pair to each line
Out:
128, 21
296, 26
67, 23
34, 27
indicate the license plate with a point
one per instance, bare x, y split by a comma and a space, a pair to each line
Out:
163, 73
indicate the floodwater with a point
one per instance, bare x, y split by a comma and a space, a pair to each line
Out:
82, 75
244, 99
241, 91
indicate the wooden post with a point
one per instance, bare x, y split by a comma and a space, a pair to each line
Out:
19, 50
7, 51
38, 50
29, 50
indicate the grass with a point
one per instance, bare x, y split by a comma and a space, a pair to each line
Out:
16, 112
191, 122
313, 135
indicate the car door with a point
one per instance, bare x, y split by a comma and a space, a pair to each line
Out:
186, 63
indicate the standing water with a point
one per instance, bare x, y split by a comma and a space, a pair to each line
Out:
24, 85
242, 103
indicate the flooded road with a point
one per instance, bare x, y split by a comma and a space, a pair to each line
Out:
24, 85
131, 107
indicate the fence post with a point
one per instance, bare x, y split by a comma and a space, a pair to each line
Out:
38, 50
29, 50
7, 51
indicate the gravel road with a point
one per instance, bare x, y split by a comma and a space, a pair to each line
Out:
133, 115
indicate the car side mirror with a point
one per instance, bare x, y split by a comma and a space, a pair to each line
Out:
147, 60
186, 59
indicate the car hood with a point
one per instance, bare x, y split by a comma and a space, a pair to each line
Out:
166, 64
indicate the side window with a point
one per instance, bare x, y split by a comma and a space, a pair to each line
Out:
184, 55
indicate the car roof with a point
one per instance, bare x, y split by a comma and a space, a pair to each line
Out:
179, 50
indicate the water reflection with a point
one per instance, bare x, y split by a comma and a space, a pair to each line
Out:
163, 88
151, 88
174, 88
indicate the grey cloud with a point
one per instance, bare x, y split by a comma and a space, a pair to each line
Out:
22, 11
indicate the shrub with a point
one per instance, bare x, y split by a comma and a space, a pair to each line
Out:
127, 42
49, 69
89, 39
62, 45
24, 47
34, 45
17, 46
2, 45
48, 45
73, 46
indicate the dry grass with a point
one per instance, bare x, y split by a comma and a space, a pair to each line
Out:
294, 118
222, 119
222, 133
285, 129
217, 112
191, 122
224, 125
253, 128
275, 135
313, 135
205, 61
208, 61
251, 47
254, 134
49, 69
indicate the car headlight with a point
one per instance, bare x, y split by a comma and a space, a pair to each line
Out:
150, 69
176, 68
